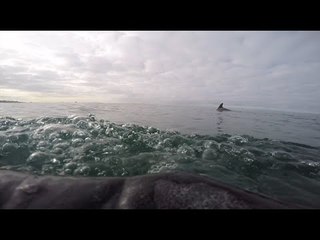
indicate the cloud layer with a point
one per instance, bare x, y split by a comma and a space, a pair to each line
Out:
265, 69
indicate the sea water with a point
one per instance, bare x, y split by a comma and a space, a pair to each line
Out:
266, 151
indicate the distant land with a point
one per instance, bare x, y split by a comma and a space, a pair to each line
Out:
8, 101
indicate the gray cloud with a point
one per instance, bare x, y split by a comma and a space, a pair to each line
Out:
267, 69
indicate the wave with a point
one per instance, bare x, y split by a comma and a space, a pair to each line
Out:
86, 146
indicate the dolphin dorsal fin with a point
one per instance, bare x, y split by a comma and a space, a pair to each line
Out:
221, 105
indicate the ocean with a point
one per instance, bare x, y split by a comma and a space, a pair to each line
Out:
270, 152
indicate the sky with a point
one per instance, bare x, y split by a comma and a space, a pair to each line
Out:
266, 69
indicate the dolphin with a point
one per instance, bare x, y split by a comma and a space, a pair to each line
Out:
221, 108
174, 190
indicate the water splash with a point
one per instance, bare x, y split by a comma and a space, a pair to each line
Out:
85, 146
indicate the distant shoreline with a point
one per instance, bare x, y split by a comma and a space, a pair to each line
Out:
7, 101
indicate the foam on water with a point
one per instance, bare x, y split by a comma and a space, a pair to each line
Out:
85, 146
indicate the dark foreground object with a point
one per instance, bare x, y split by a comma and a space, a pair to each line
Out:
159, 191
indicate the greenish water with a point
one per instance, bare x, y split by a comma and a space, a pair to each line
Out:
86, 145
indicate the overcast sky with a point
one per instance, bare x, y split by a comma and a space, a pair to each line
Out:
263, 69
